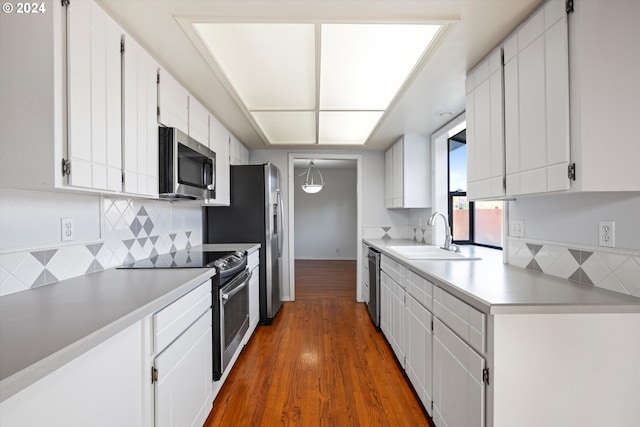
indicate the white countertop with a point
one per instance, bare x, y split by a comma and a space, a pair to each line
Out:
493, 287
44, 328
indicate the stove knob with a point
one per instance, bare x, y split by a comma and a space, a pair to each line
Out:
219, 263
239, 254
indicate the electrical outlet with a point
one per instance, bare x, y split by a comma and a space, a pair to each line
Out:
607, 233
516, 228
66, 229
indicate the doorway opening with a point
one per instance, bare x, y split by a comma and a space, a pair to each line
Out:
326, 227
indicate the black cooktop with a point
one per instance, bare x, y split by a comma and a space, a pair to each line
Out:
187, 258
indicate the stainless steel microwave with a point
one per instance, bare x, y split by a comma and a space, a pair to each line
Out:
187, 168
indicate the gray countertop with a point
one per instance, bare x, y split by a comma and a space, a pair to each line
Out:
493, 287
46, 327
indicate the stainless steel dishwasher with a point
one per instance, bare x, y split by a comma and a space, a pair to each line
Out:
374, 286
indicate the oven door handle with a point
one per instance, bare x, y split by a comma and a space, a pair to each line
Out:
235, 287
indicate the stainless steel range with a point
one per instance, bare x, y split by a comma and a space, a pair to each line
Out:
229, 295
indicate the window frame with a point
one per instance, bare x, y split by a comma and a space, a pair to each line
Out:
472, 207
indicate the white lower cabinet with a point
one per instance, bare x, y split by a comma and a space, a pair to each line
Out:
418, 365
392, 314
102, 387
397, 337
183, 363
184, 389
254, 293
458, 389
392, 303
433, 335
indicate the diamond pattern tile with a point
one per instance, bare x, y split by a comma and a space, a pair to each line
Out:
606, 269
133, 229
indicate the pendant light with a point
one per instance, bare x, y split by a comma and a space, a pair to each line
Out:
310, 186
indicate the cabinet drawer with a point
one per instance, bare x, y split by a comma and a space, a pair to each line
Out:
419, 288
394, 269
175, 318
464, 320
253, 260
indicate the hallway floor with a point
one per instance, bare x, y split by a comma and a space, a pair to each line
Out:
321, 363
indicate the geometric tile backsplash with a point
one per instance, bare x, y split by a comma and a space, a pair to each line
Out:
616, 270
133, 229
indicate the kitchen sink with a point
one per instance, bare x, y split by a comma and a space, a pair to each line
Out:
429, 252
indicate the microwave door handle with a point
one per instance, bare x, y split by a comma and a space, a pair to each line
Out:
213, 177
205, 169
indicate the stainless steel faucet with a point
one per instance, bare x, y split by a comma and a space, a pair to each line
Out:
448, 240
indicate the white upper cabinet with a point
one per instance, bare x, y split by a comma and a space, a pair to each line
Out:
173, 103
219, 140
198, 121
605, 89
408, 173
94, 98
536, 96
238, 153
140, 145
485, 129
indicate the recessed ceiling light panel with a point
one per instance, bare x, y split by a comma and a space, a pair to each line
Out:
270, 66
347, 127
273, 69
363, 66
287, 127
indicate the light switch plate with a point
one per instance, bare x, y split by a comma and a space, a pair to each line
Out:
516, 228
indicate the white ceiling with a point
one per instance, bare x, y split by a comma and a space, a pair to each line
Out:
477, 27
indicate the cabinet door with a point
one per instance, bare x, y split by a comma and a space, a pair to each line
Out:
219, 144
419, 347
239, 155
385, 305
94, 102
198, 121
537, 104
388, 178
397, 321
140, 163
254, 299
173, 102
458, 389
184, 389
485, 134
397, 180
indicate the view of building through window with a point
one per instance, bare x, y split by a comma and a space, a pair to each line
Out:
471, 222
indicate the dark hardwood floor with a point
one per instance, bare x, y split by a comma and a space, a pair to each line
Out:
321, 363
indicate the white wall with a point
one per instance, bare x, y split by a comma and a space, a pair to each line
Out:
31, 219
325, 222
572, 218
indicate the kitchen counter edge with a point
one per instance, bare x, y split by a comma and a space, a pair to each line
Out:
576, 297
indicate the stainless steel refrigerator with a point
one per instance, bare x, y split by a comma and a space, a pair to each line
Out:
255, 215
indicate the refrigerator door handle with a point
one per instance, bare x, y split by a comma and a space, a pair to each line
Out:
281, 222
